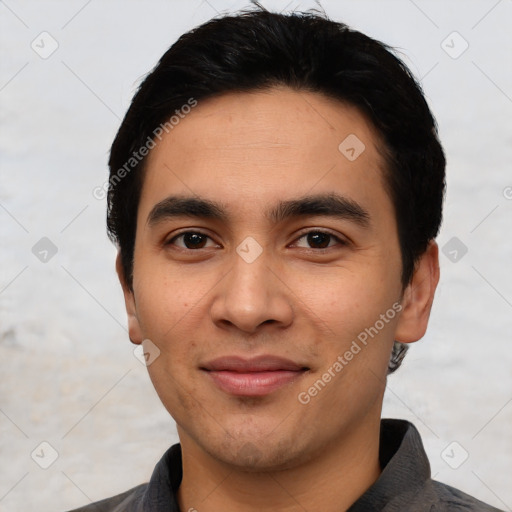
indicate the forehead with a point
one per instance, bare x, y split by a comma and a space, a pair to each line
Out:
273, 118
249, 149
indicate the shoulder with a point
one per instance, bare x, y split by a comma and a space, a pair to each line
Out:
128, 501
451, 499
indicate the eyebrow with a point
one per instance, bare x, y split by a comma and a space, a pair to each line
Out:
325, 205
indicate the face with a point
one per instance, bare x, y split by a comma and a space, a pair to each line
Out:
259, 286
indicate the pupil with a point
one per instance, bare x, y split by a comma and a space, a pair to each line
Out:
193, 239
319, 239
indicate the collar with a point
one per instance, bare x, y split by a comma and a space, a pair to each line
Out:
404, 463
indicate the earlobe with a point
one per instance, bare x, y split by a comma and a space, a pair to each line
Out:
419, 296
134, 329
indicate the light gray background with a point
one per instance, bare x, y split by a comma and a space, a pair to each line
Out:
69, 376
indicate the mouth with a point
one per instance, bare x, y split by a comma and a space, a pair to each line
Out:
253, 377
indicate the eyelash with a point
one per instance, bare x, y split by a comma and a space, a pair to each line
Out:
319, 231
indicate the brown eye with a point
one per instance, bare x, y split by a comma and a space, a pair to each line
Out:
190, 240
320, 240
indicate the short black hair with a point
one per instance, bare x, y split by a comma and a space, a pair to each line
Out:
256, 50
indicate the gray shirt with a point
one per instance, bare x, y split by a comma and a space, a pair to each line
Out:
405, 484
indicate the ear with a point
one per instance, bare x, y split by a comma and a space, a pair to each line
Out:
134, 329
418, 297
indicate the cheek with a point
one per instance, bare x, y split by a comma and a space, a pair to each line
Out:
170, 310
179, 393
358, 314
165, 300
346, 301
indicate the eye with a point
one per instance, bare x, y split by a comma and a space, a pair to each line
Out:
320, 239
316, 239
190, 240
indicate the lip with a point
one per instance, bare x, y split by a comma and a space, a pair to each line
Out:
257, 376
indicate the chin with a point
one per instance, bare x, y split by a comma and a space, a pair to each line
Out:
253, 454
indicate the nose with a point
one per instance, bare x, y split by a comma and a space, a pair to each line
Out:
252, 295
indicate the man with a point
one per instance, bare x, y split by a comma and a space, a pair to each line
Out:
275, 192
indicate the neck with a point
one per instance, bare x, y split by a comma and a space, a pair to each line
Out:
332, 480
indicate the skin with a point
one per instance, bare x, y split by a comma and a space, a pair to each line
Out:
296, 300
